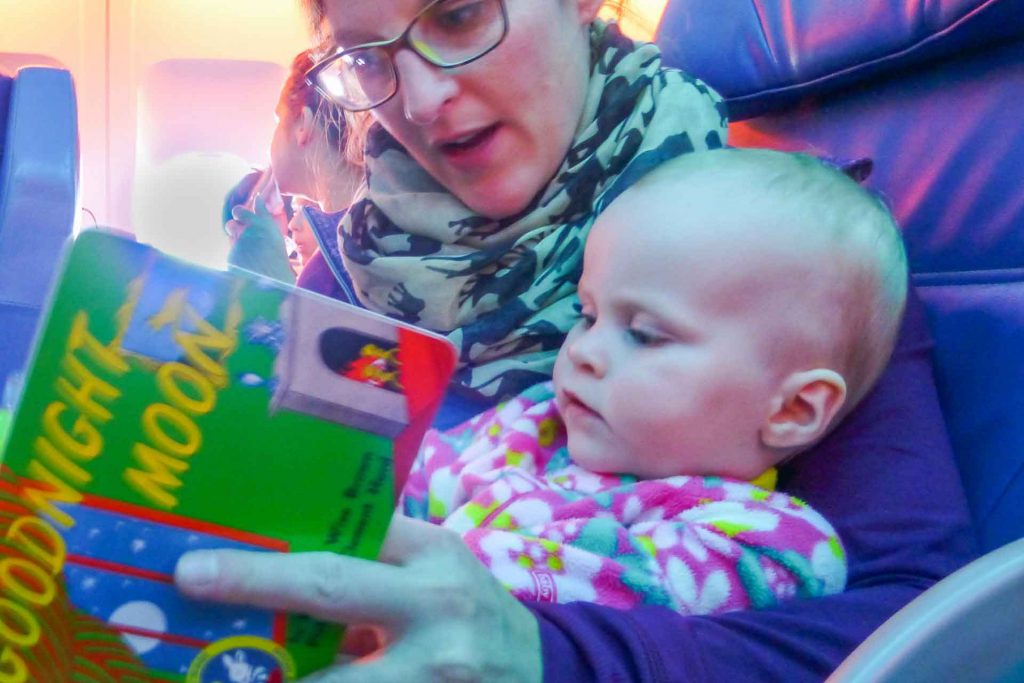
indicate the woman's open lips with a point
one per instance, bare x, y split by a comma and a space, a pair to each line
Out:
470, 150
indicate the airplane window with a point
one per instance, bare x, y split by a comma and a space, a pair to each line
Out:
202, 124
178, 204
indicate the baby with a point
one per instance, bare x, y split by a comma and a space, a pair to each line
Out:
735, 304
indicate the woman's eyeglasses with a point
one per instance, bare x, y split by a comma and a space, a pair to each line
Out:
445, 33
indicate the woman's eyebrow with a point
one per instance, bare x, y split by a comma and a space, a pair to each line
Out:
342, 40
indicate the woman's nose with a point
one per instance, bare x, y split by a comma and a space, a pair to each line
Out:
424, 88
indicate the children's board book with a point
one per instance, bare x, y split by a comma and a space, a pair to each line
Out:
169, 407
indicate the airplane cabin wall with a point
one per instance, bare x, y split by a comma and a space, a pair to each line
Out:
116, 48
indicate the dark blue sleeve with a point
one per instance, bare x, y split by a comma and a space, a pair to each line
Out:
885, 478
326, 271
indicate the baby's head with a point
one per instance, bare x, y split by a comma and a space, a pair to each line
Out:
735, 304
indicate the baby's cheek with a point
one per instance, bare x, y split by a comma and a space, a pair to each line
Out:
643, 420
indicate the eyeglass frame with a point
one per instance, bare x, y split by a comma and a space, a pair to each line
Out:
391, 46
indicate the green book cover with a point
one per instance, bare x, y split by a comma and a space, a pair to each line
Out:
168, 408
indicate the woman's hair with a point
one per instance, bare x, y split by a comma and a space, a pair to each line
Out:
297, 93
315, 12
617, 10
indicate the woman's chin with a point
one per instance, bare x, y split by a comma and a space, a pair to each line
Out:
496, 197
495, 208
498, 190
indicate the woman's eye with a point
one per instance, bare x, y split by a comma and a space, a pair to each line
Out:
364, 62
460, 15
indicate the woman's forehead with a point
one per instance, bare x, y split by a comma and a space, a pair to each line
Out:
353, 22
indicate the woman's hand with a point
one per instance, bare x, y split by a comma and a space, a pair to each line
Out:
443, 615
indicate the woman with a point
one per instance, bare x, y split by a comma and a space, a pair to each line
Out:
311, 161
476, 139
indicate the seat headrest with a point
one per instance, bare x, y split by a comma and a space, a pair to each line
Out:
947, 145
762, 56
38, 181
5, 98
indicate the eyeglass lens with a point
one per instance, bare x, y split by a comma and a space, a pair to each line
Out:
447, 33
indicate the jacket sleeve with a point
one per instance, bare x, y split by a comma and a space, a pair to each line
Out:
886, 480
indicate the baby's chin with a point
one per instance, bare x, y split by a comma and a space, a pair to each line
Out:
598, 457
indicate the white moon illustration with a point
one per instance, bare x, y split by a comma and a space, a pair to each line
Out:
140, 614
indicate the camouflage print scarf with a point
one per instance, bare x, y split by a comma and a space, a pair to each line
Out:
504, 290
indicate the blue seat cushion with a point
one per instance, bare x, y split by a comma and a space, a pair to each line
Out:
763, 56
978, 323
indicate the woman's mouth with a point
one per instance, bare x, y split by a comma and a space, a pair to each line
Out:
470, 150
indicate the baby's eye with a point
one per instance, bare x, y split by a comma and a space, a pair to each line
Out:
644, 337
587, 320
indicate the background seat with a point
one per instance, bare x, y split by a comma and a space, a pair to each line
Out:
38, 198
932, 92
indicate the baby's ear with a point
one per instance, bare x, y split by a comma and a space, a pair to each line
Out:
805, 407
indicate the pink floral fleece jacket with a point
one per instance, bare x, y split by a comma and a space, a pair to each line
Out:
552, 531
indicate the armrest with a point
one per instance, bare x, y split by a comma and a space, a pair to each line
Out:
967, 627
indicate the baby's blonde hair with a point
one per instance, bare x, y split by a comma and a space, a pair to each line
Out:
863, 265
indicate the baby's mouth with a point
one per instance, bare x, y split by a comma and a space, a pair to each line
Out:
574, 404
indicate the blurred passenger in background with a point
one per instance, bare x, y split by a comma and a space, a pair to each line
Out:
308, 152
313, 160
307, 161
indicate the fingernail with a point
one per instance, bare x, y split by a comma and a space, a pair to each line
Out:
197, 569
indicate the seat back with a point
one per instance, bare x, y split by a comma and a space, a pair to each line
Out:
932, 93
38, 198
965, 628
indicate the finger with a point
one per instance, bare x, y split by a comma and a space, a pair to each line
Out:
242, 214
326, 586
361, 641
260, 206
405, 661
408, 539
233, 228
385, 667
